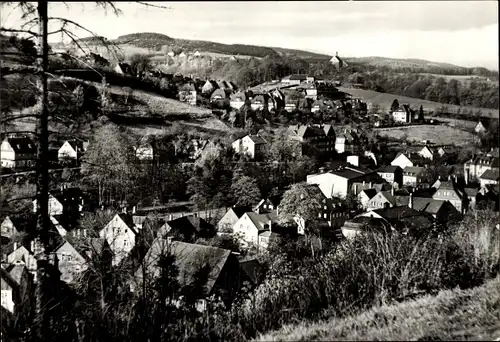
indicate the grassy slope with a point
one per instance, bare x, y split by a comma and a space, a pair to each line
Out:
385, 100
451, 315
440, 135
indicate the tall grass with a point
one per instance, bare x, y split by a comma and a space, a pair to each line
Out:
374, 270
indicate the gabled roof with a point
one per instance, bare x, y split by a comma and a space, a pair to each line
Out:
298, 77
238, 96
413, 170
16, 272
219, 92
388, 169
404, 217
257, 139
189, 258
262, 220
128, 220
239, 211
428, 205
370, 193
490, 175
22, 145
78, 145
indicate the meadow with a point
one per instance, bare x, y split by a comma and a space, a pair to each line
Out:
385, 100
437, 134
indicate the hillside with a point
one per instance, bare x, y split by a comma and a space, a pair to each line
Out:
451, 315
385, 100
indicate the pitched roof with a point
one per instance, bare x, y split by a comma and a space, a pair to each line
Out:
404, 217
298, 77
239, 211
22, 145
413, 170
261, 220
189, 258
370, 193
490, 175
388, 169
428, 205
16, 272
257, 139
77, 145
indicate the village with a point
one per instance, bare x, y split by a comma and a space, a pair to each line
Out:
419, 188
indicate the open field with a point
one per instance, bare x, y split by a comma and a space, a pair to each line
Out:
385, 100
451, 315
439, 135
461, 78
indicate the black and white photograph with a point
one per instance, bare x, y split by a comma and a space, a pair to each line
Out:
249, 171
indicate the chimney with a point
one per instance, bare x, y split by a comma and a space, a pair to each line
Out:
410, 202
270, 225
392, 191
336, 54
133, 209
32, 245
15, 245
170, 217
449, 177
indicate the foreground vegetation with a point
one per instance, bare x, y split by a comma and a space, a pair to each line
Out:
451, 315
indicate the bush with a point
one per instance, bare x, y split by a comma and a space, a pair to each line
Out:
373, 270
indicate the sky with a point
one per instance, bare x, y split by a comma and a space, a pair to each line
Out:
458, 32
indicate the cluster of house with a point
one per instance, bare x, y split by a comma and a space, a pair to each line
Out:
323, 138
127, 242
20, 151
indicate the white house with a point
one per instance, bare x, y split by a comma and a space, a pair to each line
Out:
413, 175
426, 153
480, 127
182, 55
9, 290
197, 54
121, 234
402, 114
489, 177
8, 228
237, 100
251, 226
17, 152
338, 183
72, 149
55, 206
252, 145
71, 262
402, 160
144, 151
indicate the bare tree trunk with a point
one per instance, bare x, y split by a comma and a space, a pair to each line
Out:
43, 223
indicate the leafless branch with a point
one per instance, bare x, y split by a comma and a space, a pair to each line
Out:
4, 29
151, 5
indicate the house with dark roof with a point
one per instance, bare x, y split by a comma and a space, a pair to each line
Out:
404, 114
72, 149
365, 196
319, 137
218, 95
404, 159
338, 62
347, 141
491, 176
17, 152
187, 93
255, 229
448, 191
186, 228
475, 167
400, 219
391, 174
121, 234
65, 201
251, 145
237, 100
232, 215
414, 176
338, 183
221, 268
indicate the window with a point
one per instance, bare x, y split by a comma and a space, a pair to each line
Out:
125, 243
319, 215
325, 215
326, 208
